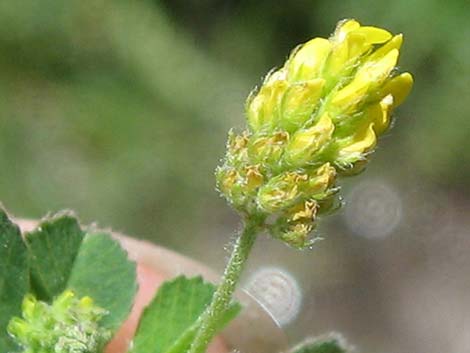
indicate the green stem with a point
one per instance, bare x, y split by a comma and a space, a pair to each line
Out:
223, 295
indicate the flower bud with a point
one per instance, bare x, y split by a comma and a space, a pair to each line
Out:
237, 148
307, 61
268, 148
356, 147
263, 108
296, 224
377, 71
320, 182
280, 192
305, 143
399, 87
394, 43
296, 235
30, 306
349, 97
304, 211
253, 177
299, 102
379, 114
229, 182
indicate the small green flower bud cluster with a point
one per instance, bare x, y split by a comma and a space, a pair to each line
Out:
315, 118
68, 325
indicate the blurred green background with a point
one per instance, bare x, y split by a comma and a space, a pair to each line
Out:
119, 110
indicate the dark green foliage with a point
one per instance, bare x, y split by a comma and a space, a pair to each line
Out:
103, 272
14, 279
53, 247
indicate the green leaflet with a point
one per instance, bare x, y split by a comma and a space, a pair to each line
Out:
14, 278
103, 272
169, 323
53, 246
332, 343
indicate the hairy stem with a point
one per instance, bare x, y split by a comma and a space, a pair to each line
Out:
223, 295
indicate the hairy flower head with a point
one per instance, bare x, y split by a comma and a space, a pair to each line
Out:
315, 118
68, 325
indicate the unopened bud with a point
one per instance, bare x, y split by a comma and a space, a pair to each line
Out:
263, 108
305, 143
253, 178
269, 148
399, 87
306, 62
355, 149
320, 182
281, 192
299, 102
237, 151
296, 235
304, 211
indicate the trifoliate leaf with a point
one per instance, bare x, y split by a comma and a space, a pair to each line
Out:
169, 323
53, 247
103, 272
14, 278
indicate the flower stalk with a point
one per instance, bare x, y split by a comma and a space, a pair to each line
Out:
223, 295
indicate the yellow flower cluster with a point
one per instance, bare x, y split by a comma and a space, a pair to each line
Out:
317, 117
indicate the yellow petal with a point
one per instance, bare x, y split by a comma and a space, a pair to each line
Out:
227, 179
343, 28
280, 192
306, 142
357, 45
349, 96
303, 211
373, 35
362, 142
86, 302
375, 72
319, 182
254, 110
253, 178
275, 75
299, 102
394, 43
307, 62
263, 108
345, 54
337, 60
272, 104
399, 87
267, 148
379, 114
